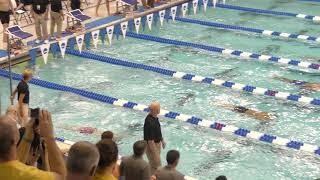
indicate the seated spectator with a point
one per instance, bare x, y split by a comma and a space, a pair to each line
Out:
108, 158
107, 135
11, 168
221, 178
82, 161
169, 172
134, 167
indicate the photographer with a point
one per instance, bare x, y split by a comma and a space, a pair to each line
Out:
46, 131
37, 155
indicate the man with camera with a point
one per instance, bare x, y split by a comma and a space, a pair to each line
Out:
10, 153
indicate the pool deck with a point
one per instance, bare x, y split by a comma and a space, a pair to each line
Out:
95, 23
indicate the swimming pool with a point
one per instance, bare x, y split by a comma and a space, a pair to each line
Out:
205, 152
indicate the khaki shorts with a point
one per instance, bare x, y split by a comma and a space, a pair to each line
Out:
155, 164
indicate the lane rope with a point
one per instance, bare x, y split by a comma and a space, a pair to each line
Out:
196, 78
293, 144
263, 11
248, 29
230, 52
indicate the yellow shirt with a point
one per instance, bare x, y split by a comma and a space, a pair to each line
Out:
15, 170
104, 177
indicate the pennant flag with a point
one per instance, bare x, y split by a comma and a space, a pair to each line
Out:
205, 4
63, 46
195, 6
214, 3
149, 20
137, 22
79, 40
124, 27
184, 9
45, 52
161, 16
110, 33
95, 37
173, 12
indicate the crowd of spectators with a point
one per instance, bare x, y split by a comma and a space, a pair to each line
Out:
29, 151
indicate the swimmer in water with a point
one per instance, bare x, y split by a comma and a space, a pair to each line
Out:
263, 116
304, 84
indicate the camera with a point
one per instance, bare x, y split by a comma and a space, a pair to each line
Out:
35, 115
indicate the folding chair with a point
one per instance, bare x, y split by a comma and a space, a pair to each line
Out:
16, 35
78, 15
22, 13
130, 5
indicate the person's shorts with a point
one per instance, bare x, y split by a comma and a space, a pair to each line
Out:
5, 17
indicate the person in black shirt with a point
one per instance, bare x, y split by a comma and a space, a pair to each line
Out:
153, 136
56, 18
39, 8
23, 97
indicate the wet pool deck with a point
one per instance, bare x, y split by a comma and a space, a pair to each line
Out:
22, 55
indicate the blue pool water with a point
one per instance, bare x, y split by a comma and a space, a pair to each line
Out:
205, 153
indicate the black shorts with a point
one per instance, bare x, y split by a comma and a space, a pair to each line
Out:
5, 17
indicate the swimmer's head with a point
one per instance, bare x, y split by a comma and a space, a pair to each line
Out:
27, 74
155, 108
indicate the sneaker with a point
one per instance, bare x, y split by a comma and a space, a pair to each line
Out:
37, 41
46, 41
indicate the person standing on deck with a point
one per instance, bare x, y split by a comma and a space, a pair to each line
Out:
5, 7
23, 97
153, 136
56, 18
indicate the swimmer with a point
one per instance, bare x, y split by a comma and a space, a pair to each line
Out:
304, 84
183, 100
263, 116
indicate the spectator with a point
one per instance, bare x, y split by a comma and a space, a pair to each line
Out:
5, 7
221, 178
107, 135
23, 97
82, 161
56, 18
11, 113
11, 168
153, 136
169, 172
39, 8
134, 167
108, 158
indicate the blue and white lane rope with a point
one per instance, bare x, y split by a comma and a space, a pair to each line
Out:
201, 79
248, 29
263, 11
242, 54
293, 144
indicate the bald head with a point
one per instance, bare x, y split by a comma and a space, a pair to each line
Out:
12, 112
154, 108
83, 158
9, 136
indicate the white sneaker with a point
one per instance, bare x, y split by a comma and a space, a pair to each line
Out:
46, 41
37, 41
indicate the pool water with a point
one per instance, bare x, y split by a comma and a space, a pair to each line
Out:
205, 153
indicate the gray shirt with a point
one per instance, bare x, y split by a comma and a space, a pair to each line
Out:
135, 168
168, 173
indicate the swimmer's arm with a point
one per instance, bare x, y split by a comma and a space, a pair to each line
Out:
283, 79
